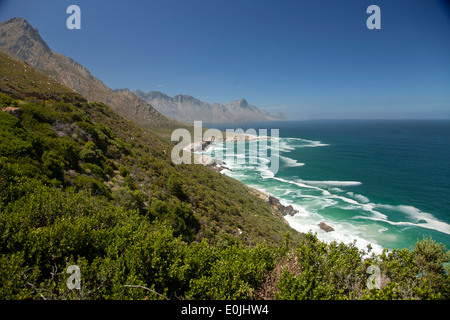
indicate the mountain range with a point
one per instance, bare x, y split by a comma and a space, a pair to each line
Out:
187, 108
21, 41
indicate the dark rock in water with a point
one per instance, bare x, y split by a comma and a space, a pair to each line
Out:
325, 227
290, 210
283, 209
205, 145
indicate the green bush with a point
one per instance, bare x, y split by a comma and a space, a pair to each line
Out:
94, 170
14, 140
7, 101
54, 164
88, 156
132, 199
70, 150
84, 182
175, 186
38, 112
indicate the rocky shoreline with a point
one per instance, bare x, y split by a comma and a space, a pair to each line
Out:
218, 165
282, 210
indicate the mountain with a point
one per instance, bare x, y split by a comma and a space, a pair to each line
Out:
187, 108
21, 41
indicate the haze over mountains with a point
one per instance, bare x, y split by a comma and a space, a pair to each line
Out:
187, 108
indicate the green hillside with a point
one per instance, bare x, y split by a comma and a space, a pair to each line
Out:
20, 81
80, 185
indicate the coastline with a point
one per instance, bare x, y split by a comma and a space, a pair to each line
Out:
349, 194
278, 209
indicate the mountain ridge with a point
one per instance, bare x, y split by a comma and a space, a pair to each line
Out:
188, 108
21, 41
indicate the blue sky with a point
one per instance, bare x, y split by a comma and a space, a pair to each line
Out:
306, 58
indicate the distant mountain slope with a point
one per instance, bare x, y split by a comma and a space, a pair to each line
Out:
21, 81
188, 108
23, 42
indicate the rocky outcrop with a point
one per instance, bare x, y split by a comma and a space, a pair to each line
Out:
15, 111
188, 108
325, 227
285, 210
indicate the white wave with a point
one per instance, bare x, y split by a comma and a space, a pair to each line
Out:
370, 207
343, 232
332, 183
300, 184
345, 199
324, 192
283, 147
285, 144
420, 218
359, 197
382, 229
265, 171
311, 143
291, 162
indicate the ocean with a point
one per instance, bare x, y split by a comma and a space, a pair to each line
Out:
380, 182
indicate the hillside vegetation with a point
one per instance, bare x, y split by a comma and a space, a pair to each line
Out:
80, 185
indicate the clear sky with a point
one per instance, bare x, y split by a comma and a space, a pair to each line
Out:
306, 58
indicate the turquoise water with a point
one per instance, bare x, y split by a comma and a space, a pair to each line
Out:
386, 183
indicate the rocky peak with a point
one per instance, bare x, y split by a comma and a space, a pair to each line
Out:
242, 102
185, 98
23, 41
122, 90
239, 104
152, 95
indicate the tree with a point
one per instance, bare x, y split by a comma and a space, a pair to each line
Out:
430, 256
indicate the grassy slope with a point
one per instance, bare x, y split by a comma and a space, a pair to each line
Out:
21, 81
220, 204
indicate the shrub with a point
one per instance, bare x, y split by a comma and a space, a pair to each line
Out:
53, 164
88, 156
132, 199
38, 112
95, 170
14, 139
84, 182
175, 187
124, 172
6, 100
70, 150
